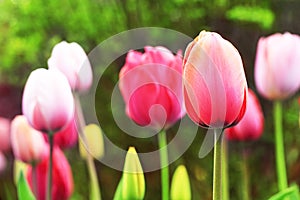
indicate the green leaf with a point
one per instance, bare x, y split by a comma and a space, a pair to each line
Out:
24, 192
180, 188
291, 193
118, 193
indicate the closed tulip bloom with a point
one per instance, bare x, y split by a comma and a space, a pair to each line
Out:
151, 85
252, 124
73, 62
2, 162
215, 87
28, 144
4, 134
62, 184
277, 66
47, 100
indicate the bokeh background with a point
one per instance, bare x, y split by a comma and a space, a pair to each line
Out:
30, 28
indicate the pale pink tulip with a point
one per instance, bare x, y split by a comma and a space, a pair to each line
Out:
215, 86
71, 60
48, 102
277, 66
2, 162
4, 134
252, 124
28, 144
151, 85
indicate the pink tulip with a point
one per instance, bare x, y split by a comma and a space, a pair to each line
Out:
71, 60
277, 66
2, 162
47, 100
252, 124
4, 134
62, 184
215, 87
151, 85
28, 144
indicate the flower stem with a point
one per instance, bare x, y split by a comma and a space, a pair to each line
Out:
217, 181
279, 147
245, 173
224, 165
162, 143
34, 181
49, 183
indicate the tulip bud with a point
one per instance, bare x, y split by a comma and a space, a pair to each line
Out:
252, 124
180, 188
62, 182
94, 142
215, 87
2, 162
151, 86
4, 134
72, 61
28, 144
47, 100
277, 68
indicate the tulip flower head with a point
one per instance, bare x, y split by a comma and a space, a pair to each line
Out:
4, 134
62, 184
215, 87
277, 66
72, 61
47, 100
151, 85
252, 124
28, 144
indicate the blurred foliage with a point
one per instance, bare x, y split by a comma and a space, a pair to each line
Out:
30, 28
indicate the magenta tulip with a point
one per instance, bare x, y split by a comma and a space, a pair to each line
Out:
47, 100
62, 184
2, 162
151, 85
28, 144
215, 87
277, 66
252, 124
5, 144
71, 60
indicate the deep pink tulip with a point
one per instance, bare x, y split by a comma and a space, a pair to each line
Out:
277, 66
215, 87
47, 100
67, 137
252, 124
71, 60
151, 85
2, 162
28, 144
62, 184
4, 134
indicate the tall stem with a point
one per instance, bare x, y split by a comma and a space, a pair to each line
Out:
34, 180
245, 178
279, 147
224, 166
162, 143
217, 179
49, 182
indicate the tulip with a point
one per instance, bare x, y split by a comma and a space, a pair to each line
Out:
2, 162
151, 85
180, 188
47, 100
28, 144
277, 66
215, 87
72, 61
4, 134
62, 185
251, 126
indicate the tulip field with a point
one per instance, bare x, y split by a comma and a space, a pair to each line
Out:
132, 100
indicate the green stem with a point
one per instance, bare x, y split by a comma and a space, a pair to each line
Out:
245, 173
34, 180
162, 143
224, 165
279, 147
49, 183
95, 193
217, 179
